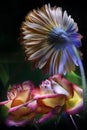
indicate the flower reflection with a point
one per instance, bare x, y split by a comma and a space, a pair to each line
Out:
47, 36
53, 96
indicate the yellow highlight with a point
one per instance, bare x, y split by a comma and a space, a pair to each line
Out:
53, 102
74, 101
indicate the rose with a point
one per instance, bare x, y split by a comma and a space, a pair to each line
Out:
57, 93
17, 96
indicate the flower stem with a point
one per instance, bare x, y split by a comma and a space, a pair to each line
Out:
76, 128
83, 81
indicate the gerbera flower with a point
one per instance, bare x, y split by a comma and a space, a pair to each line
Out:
48, 35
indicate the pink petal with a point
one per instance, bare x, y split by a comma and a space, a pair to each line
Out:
6, 103
49, 115
64, 84
15, 123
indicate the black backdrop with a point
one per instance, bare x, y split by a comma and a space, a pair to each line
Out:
12, 13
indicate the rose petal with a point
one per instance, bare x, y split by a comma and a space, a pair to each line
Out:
65, 84
21, 111
53, 102
52, 113
14, 123
59, 89
21, 98
6, 103
75, 104
20, 120
43, 93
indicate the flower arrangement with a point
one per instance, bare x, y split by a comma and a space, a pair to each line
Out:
51, 41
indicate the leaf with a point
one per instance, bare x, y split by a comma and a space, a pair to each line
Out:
74, 78
3, 75
3, 113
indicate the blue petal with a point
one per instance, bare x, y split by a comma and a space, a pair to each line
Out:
62, 63
77, 43
76, 39
72, 54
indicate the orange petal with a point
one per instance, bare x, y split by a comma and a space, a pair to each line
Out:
53, 102
21, 112
20, 120
42, 109
21, 98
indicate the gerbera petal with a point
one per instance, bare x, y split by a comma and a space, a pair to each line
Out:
77, 42
63, 59
36, 27
44, 17
53, 64
48, 13
65, 20
72, 54
35, 17
31, 49
66, 63
33, 37
44, 59
38, 17
72, 26
40, 52
75, 35
51, 69
70, 62
51, 13
59, 16
56, 64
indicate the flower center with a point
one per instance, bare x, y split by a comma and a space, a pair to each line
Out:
59, 38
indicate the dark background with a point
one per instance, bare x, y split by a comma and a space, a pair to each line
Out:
12, 13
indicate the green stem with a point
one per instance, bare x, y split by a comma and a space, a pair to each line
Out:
83, 81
